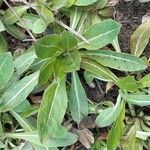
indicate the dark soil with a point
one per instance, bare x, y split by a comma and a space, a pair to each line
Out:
130, 14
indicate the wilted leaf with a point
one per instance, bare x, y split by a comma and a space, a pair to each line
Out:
78, 99
18, 92
52, 110
140, 39
119, 61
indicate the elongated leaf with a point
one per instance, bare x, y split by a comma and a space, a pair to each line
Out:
3, 44
48, 46
57, 4
2, 28
26, 126
18, 92
15, 32
116, 131
97, 70
109, 115
6, 68
142, 135
140, 39
54, 99
10, 17
140, 100
23, 62
100, 34
84, 2
120, 61
33, 137
78, 99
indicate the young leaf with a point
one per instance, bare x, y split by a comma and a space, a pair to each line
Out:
116, 131
52, 110
10, 17
145, 81
18, 92
33, 137
3, 44
97, 70
119, 61
140, 39
84, 2
78, 99
26, 126
48, 46
46, 71
128, 84
100, 34
140, 100
109, 115
23, 62
6, 68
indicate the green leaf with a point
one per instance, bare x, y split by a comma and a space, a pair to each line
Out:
84, 2
23, 62
116, 131
140, 39
145, 81
128, 83
23, 122
109, 115
44, 12
2, 28
69, 40
33, 137
6, 68
18, 92
48, 46
39, 26
140, 100
100, 34
71, 62
142, 135
88, 77
2, 145
78, 99
119, 61
70, 3
10, 16
57, 4
97, 70
46, 71
15, 32
3, 44
101, 3
54, 99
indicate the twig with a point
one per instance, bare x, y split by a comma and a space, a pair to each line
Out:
20, 20
72, 31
